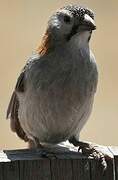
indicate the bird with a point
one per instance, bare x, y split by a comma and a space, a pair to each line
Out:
54, 93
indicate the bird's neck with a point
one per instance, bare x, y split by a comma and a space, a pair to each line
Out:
50, 43
73, 46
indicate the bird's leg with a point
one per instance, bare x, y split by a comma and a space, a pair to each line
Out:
90, 150
34, 143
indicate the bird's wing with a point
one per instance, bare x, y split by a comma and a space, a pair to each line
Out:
12, 111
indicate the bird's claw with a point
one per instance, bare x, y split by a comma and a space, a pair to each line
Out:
91, 152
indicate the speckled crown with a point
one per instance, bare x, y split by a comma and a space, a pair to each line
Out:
79, 10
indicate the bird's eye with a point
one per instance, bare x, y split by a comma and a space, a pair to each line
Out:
67, 19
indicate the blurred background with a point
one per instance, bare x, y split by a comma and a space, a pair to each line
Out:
22, 24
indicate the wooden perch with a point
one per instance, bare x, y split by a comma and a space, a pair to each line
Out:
55, 164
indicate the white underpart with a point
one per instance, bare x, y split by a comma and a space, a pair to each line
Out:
80, 40
31, 119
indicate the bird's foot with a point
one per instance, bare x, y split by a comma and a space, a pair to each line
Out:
92, 150
33, 143
95, 151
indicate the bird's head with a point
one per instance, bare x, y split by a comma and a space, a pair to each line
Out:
69, 22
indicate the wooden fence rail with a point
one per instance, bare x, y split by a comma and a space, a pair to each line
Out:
45, 165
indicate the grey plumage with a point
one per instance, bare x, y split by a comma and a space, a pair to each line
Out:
54, 93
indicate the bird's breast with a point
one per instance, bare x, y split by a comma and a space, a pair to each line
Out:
58, 99
53, 116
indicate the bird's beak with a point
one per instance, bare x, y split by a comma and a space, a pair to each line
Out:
87, 24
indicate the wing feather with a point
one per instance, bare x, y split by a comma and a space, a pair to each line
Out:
12, 111
13, 107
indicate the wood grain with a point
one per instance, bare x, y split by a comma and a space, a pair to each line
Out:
48, 165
